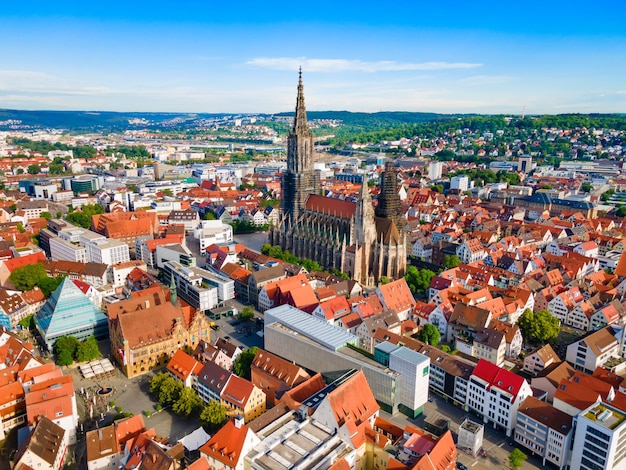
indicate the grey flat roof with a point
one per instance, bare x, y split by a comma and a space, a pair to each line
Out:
409, 355
386, 347
309, 326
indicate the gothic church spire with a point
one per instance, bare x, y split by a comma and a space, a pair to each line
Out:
299, 120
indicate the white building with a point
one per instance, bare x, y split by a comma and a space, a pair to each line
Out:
192, 286
459, 182
108, 251
414, 369
434, 170
594, 350
496, 394
210, 232
64, 250
545, 431
600, 438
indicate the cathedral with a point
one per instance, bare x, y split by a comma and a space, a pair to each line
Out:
352, 237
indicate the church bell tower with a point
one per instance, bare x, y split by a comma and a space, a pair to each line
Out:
300, 179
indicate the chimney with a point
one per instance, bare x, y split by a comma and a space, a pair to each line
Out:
238, 421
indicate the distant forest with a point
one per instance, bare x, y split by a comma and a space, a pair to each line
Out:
358, 127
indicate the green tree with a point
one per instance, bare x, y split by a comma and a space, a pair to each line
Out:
213, 416
539, 327
65, 348
49, 284
586, 188
46, 215
26, 277
33, 169
28, 323
620, 211
56, 169
157, 381
87, 350
170, 391
517, 458
607, 195
384, 280
188, 402
418, 280
80, 219
241, 366
429, 334
64, 358
20, 227
451, 261
247, 313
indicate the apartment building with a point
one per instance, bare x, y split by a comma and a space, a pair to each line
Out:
496, 394
594, 350
545, 431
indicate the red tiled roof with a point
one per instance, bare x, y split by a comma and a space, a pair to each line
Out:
330, 206
237, 391
498, 377
14, 263
182, 365
225, 446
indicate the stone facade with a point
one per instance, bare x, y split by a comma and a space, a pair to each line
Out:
342, 235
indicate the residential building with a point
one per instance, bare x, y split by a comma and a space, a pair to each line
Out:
229, 446
397, 297
460, 183
185, 368
275, 376
539, 359
211, 381
545, 431
54, 398
244, 398
594, 350
43, 449
434, 170
496, 394
470, 251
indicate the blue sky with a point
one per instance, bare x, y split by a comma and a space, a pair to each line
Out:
200, 56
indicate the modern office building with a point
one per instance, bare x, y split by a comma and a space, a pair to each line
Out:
313, 343
198, 287
600, 441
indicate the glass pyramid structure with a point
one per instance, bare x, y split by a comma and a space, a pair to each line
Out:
70, 312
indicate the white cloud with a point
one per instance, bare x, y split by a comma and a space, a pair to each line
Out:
344, 65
